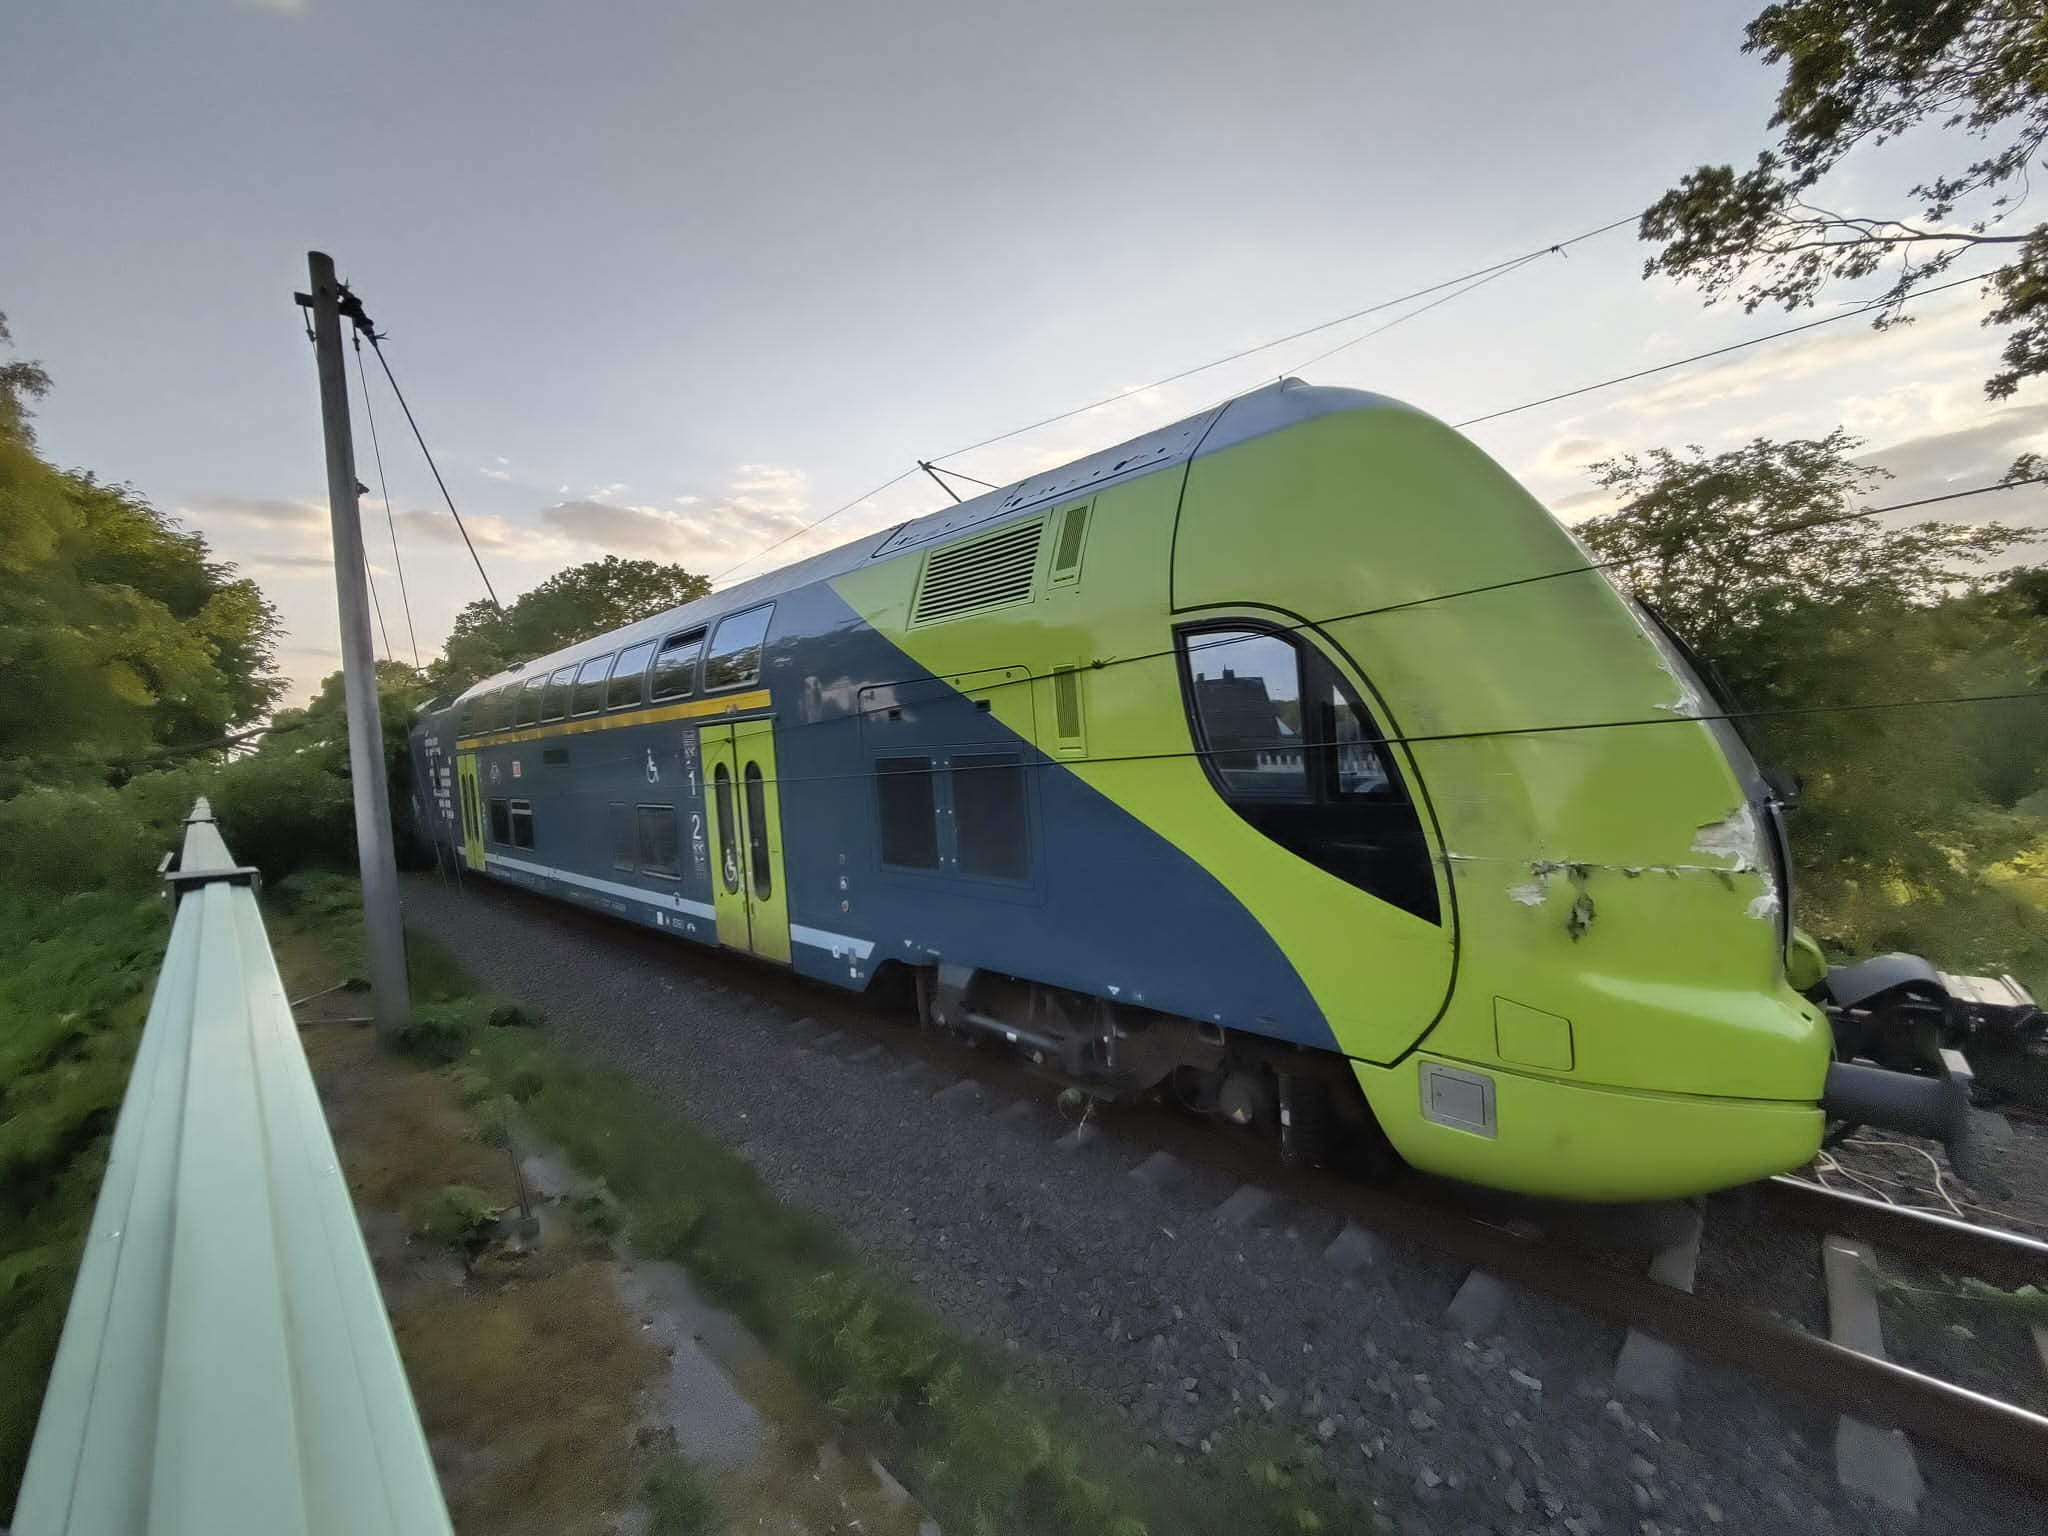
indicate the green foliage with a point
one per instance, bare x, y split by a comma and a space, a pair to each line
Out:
581, 601
2027, 1303
681, 1502
20, 380
121, 638
74, 994
1860, 73
439, 1033
1903, 814
454, 1214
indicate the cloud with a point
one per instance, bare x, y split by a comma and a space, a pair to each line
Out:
491, 535
494, 474
289, 565
288, 7
763, 502
1936, 463
256, 512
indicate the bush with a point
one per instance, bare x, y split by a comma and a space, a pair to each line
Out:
439, 1033
454, 1214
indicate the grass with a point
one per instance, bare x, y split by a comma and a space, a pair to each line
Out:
983, 1454
73, 995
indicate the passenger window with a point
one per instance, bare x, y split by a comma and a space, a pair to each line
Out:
529, 701
590, 686
735, 656
988, 815
506, 707
728, 840
1247, 696
757, 832
522, 823
910, 823
661, 843
628, 685
555, 705
501, 822
620, 818
675, 667
1319, 782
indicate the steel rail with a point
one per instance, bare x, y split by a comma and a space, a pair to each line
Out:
1989, 1253
226, 1365
1982, 1428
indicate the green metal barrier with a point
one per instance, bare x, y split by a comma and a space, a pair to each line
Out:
226, 1365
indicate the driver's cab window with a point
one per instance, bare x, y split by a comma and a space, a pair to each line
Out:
1288, 742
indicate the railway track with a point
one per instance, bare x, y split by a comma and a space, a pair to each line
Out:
1570, 1255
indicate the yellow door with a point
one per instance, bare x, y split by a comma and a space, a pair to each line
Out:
472, 810
746, 837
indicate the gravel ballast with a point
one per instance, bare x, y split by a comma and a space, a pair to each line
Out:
1132, 1293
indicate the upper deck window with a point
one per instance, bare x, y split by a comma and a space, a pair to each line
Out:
504, 707
529, 700
675, 669
1289, 744
555, 702
734, 659
628, 685
589, 698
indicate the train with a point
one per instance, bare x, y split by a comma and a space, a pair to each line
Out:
1290, 760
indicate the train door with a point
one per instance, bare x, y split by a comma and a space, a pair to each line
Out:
472, 810
746, 837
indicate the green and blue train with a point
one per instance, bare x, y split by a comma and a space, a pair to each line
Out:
1290, 759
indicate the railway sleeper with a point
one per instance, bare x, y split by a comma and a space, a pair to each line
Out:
1308, 1103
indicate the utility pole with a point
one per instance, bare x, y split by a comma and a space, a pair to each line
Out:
385, 932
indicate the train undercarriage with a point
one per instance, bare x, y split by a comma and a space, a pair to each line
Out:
1918, 1051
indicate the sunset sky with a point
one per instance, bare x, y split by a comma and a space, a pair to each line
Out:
673, 279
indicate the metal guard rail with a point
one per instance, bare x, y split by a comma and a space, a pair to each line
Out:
226, 1365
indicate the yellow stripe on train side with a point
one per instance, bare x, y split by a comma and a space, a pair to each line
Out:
688, 709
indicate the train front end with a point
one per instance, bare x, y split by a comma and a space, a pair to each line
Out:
1609, 1002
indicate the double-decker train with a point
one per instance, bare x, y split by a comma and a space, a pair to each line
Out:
1290, 758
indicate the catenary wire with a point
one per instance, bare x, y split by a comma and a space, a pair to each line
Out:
1302, 626
1435, 738
1458, 293
377, 346
376, 602
1700, 357
390, 521
1460, 286
815, 523
1279, 341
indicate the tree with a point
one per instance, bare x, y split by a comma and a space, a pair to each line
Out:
18, 380
1735, 550
569, 606
120, 636
1862, 73
1797, 615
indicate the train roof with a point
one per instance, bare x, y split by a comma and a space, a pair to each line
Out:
1272, 408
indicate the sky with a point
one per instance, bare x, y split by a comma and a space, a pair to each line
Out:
675, 279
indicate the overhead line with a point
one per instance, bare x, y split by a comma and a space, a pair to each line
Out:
1699, 357
376, 346
1463, 284
1754, 536
1477, 283
391, 522
1310, 330
816, 523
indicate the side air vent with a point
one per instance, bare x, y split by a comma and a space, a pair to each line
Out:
1066, 555
1066, 708
990, 572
